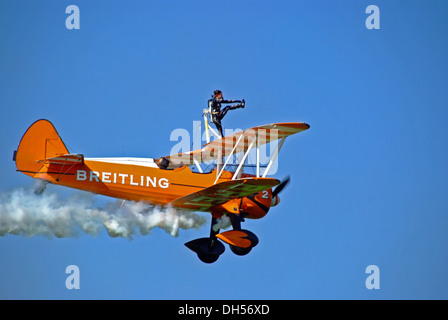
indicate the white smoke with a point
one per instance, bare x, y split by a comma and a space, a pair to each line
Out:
23, 212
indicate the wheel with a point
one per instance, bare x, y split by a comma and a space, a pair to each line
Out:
202, 248
208, 258
243, 251
240, 251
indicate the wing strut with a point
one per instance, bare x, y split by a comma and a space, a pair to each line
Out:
239, 170
274, 156
228, 158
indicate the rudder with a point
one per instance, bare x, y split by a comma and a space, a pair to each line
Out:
41, 141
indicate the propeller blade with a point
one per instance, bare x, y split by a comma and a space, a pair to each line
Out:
280, 186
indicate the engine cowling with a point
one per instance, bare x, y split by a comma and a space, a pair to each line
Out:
256, 206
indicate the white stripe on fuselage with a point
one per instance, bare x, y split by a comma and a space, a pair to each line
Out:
144, 162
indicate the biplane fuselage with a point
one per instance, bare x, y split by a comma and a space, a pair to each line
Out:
42, 155
140, 179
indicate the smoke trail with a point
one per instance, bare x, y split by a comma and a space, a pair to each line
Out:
22, 212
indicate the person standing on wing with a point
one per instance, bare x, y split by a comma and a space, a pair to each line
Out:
215, 108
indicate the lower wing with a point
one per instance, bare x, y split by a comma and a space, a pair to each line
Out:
222, 192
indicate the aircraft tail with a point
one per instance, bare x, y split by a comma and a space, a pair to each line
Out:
40, 142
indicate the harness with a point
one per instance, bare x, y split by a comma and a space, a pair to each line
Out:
210, 109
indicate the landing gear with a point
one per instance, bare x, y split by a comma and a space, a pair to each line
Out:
241, 241
243, 251
207, 249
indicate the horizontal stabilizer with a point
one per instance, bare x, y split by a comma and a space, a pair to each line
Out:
67, 159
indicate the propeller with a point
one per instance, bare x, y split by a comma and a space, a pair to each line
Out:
280, 187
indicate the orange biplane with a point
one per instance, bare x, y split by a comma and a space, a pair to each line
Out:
225, 191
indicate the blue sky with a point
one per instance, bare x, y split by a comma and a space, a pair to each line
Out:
368, 180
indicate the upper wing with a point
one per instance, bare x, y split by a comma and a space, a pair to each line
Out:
222, 192
264, 134
239, 142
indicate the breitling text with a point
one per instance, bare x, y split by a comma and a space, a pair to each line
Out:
122, 178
